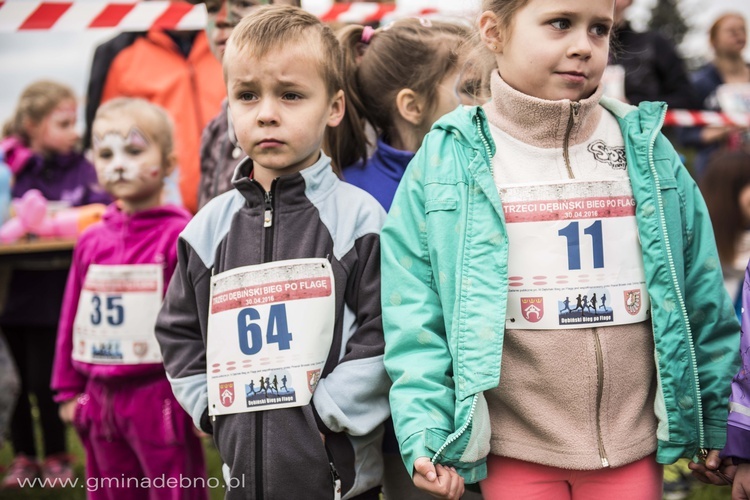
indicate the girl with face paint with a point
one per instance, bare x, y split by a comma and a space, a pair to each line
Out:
108, 372
39, 144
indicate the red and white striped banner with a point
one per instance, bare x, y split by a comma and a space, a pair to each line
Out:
83, 15
18, 15
687, 118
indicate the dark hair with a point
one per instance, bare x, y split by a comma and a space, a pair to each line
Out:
727, 174
409, 53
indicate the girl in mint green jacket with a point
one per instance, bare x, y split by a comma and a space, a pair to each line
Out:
554, 237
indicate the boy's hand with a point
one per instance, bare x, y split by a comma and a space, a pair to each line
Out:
713, 470
437, 480
67, 410
741, 486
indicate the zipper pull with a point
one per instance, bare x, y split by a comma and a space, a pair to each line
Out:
268, 214
575, 107
336, 482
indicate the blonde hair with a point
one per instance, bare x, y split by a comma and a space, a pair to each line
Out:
271, 27
505, 10
36, 102
152, 119
482, 58
411, 54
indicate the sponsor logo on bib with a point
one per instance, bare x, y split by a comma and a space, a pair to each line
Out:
632, 301
226, 393
532, 308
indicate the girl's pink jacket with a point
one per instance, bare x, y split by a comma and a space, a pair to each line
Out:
147, 237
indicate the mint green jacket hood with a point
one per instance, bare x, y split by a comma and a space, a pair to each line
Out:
445, 279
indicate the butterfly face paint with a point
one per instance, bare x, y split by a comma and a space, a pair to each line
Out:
129, 165
121, 158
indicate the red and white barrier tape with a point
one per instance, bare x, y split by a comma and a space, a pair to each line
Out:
687, 118
80, 15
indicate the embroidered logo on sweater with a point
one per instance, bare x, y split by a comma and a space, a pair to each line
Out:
614, 157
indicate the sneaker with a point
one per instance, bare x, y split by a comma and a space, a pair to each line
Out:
58, 470
22, 469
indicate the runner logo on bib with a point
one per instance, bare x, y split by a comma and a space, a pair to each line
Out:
574, 259
116, 314
270, 328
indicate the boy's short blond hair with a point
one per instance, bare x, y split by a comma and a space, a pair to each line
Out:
271, 27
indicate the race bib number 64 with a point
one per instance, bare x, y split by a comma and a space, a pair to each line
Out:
270, 329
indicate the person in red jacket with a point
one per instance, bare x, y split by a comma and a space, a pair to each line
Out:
174, 69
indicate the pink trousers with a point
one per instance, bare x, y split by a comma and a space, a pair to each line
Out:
512, 479
139, 444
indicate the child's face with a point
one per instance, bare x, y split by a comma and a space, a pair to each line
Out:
557, 49
731, 36
56, 133
744, 203
223, 16
280, 107
128, 163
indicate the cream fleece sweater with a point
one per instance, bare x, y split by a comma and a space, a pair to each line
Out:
556, 403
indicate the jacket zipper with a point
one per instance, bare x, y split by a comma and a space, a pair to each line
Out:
572, 120
267, 257
680, 298
335, 478
463, 428
599, 392
487, 148
458, 433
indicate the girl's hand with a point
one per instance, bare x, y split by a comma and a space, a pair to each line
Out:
716, 133
437, 480
741, 486
713, 470
67, 410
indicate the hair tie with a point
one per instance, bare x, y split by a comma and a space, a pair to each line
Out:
367, 33
425, 22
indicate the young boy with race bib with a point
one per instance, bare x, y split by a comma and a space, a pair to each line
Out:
271, 328
108, 370
555, 320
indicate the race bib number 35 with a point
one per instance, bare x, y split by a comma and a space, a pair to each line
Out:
116, 315
270, 329
574, 260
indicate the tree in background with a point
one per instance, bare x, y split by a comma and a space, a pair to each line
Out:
669, 21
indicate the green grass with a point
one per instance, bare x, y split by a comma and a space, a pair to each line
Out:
698, 490
74, 446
